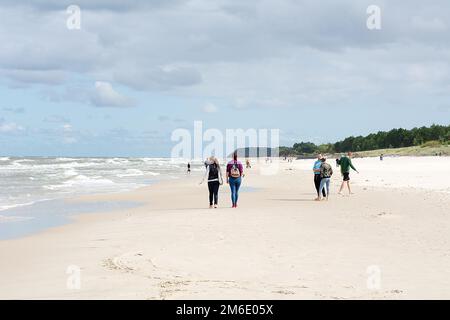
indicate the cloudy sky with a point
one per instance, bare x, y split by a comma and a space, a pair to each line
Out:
137, 70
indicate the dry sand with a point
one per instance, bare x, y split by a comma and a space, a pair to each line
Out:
278, 244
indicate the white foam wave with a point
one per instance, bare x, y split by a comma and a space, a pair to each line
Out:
6, 219
70, 172
65, 176
81, 181
51, 167
11, 206
130, 173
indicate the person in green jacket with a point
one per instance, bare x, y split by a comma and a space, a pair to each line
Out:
346, 163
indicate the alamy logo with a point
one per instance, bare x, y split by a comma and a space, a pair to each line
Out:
74, 277
74, 20
213, 142
374, 19
374, 277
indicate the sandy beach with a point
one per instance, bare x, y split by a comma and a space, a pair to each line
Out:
389, 240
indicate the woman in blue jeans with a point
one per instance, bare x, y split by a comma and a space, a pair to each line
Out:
235, 172
325, 175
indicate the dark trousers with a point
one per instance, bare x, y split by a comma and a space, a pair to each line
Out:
213, 188
317, 179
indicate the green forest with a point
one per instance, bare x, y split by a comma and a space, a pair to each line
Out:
395, 138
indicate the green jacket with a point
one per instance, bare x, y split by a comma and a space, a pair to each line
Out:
346, 164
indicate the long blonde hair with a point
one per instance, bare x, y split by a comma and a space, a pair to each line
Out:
215, 160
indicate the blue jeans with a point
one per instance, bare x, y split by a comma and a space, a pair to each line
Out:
323, 182
235, 183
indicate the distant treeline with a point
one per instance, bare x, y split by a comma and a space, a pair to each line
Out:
395, 138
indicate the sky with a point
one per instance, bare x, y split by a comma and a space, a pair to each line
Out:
134, 71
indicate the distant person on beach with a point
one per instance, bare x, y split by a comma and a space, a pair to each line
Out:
316, 170
247, 164
235, 172
346, 163
381, 157
214, 175
325, 177
337, 163
189, 167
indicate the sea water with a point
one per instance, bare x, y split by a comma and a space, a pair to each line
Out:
33, 189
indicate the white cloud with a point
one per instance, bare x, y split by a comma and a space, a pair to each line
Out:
157, 78
14, 110
69, 140
56, 119
210, 108
67, 127
68, 134
49, 77
428, 25
10, 127
105, 96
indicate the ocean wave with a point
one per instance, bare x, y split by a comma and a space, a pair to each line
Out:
70, 172
66, 176
81, 181
17, 164
12, 206
23, 160
130, 173
6, 219
117, 161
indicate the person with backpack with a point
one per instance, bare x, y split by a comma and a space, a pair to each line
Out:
325, 177
235, 172
214, 175
316, 170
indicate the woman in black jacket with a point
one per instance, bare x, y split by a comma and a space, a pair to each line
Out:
214, 175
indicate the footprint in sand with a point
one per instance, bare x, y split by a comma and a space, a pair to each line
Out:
396, 291
284, 292
169, 288
130, 262
382, 214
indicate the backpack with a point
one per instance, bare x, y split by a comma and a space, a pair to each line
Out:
327, 171
234, 172
213, 171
